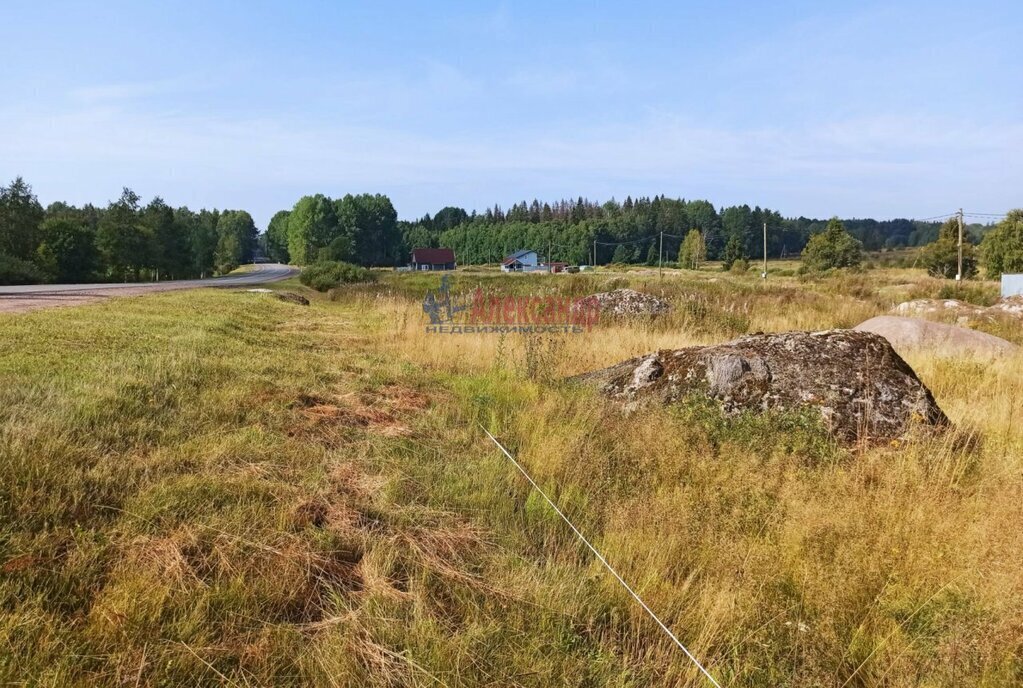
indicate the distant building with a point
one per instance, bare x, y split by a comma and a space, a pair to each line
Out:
1012, 285
433, 259
555, 266
521, 261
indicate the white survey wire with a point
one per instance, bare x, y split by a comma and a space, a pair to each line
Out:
602, 559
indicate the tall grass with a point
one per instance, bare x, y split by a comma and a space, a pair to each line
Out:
783, 559
212, 487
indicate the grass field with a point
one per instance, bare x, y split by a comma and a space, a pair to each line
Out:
212, 487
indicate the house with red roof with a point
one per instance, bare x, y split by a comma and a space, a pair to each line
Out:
433, 259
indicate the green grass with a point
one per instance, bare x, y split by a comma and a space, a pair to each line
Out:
213, 487
174, 512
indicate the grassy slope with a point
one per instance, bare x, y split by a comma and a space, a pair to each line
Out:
206, 487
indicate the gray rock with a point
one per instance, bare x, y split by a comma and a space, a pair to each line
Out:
908, 334
857, 382
624, 303
291, 297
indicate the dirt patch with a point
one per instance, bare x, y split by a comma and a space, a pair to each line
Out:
373, 419
20, 563
383, 412
310, 513
403, 398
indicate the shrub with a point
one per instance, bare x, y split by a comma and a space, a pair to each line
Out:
329, 274
976, 293
16, 271
832, 248
338, 250
740, 267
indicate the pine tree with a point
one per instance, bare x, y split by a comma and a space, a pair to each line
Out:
734, 252
20, 215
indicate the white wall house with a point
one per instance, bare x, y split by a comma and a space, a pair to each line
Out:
521, 261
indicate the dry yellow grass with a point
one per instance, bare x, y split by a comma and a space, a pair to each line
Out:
209, 488
892, 565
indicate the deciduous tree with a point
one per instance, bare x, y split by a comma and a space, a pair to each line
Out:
67, 252
277, 237
693, 251
1002, 247
312, 225
236, 240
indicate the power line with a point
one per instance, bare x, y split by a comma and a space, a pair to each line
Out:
936, 217
623, 243
955, 214
601, 558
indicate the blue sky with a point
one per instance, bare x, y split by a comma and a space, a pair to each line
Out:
813, 108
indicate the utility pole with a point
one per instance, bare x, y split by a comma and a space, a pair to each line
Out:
765, 252
660, 256
594, 254
959, 272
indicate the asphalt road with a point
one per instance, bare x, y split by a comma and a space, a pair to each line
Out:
25, 297
263, 272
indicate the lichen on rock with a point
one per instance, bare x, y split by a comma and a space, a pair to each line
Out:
624, 303
861, 387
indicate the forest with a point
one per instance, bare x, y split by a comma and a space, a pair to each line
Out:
128, 241
364, 230
123, 241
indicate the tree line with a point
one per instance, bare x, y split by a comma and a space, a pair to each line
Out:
630, 232
129, 241
123, 241
364, 229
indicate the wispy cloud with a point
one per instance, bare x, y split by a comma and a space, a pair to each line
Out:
883, 162
108, 93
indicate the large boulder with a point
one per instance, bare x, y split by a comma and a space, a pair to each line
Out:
909, 334
623, 303
857, 382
